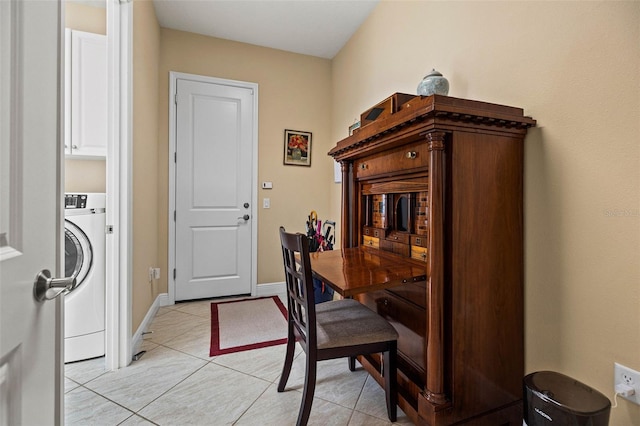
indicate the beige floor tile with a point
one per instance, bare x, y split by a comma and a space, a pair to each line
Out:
69, 385
362, 419
372, 402
201, 308
143, 381
214, 395
85, 371
281, 408
177, 383
147, 345
195, 341
173, 324
136, 420
165, 309
334, 383
265, 363
84, 407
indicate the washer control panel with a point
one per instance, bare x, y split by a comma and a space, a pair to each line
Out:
75, 201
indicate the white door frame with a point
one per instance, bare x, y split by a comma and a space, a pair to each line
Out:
118, 348
173, 77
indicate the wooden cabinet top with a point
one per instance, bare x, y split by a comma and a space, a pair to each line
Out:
423, 113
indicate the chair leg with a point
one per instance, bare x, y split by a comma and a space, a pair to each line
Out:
352, 363
309, 390
288, 361
390, 381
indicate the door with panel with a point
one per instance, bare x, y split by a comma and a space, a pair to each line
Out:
31, 336
214, 168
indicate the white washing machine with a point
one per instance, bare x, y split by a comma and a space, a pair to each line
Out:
84, 318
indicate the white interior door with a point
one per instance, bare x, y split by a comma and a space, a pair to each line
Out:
31, 367
213, 220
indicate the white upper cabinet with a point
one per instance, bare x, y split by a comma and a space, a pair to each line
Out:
85, 95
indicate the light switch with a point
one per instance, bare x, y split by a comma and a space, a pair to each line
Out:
266, 203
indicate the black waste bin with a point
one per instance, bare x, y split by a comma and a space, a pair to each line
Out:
552, 398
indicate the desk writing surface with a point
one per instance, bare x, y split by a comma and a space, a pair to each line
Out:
361, 269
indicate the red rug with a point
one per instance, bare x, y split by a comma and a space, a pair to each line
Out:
242, 325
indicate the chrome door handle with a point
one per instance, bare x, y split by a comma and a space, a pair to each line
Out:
47, 288
245, 217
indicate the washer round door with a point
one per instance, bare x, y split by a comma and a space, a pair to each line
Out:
78, 255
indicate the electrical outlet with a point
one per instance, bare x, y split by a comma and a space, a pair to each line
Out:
154, 273
626, 376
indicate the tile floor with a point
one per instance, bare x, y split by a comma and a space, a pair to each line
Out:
177, 383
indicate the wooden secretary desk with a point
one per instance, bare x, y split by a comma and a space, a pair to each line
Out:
437, 183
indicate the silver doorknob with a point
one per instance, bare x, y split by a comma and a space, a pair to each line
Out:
245, 217
47, 288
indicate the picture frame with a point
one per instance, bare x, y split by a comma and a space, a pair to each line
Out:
353, 127
297, 148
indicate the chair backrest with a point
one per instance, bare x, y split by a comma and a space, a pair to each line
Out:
300, 299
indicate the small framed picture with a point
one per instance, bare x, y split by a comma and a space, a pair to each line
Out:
353, 127
297, 148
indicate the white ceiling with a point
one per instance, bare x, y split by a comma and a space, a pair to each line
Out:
311, 27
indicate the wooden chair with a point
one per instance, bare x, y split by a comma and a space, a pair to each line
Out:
335, 329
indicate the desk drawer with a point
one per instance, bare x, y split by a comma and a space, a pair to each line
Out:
370, 241
408, 319
373, 232
419, 240
398, 248
419, 253
398, 159
398, 237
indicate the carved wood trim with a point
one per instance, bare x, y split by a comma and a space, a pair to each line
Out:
429, 110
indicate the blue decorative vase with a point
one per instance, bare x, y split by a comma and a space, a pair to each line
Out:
433, 83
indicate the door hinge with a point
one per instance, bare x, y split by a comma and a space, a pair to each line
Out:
174, 215
108, 229
174, 273
175, 157
175, 99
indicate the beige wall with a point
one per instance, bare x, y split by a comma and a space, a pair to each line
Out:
146, 54
82, 17
294, 93
85, 175
574, 67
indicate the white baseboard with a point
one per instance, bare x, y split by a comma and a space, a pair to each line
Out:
136, 340
271, 289
163, 299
